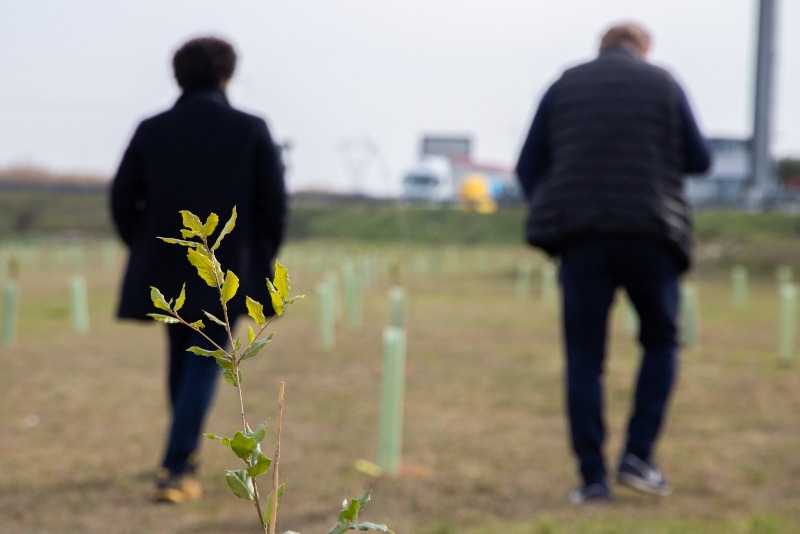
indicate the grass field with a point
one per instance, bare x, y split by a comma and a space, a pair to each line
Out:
485, 448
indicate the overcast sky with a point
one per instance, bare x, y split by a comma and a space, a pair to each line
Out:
353, 84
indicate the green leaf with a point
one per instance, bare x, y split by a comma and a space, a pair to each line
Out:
268, 511
229, 287
256, 457
205, 267
222, 439
213, 319
243, 446
256, 347
181, 298
275, 297
223, 360
349, 513
182, 242
198, 324
192, 222
366, 525
226, 229
158, 299
339, 529
251, 336
163, 318
210, 225
291, 300
348, 518
240, 483
226, 363
227, 374
364, 499
259, 434
281, 281
256, 310
260, 466
203, 352
237, 345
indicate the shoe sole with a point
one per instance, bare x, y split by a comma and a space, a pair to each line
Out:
639, 485
591, 500
177, 496
170, 496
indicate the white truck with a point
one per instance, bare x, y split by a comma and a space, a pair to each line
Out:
446, 173
431, 179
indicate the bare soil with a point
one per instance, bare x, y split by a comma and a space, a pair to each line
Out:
82, 416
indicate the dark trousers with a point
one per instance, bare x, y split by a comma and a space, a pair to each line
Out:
191, 382
590, 273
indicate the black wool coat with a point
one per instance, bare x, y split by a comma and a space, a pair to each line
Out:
204, 156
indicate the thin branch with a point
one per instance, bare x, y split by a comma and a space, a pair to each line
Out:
200, 331
257, 501
276, 461
213, 258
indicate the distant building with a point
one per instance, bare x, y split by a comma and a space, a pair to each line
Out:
729, 178
449, 146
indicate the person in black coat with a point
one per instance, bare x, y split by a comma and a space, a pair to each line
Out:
204, 156
603, 167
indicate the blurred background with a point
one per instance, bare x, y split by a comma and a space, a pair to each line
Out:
374, 102
351, 87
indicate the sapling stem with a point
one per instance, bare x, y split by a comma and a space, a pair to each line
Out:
257, 502
276, 461
256, 495
224, 304
241, 396
247, 444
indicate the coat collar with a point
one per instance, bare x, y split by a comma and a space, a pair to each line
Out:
209, 93
619, 51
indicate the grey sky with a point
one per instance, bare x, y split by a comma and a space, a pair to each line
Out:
355, 83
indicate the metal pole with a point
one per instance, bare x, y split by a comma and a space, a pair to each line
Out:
763, 174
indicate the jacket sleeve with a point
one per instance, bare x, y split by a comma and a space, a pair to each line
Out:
696, 154
128, 191
535, 159
270, 207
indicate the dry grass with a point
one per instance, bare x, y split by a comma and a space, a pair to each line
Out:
485, 449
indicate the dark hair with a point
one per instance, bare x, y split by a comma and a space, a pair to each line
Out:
203, 62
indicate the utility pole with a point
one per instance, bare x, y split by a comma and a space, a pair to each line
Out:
764, 180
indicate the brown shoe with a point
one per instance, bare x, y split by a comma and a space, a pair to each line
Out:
177, 488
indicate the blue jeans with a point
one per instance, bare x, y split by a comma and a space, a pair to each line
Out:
590, 273
191, 383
